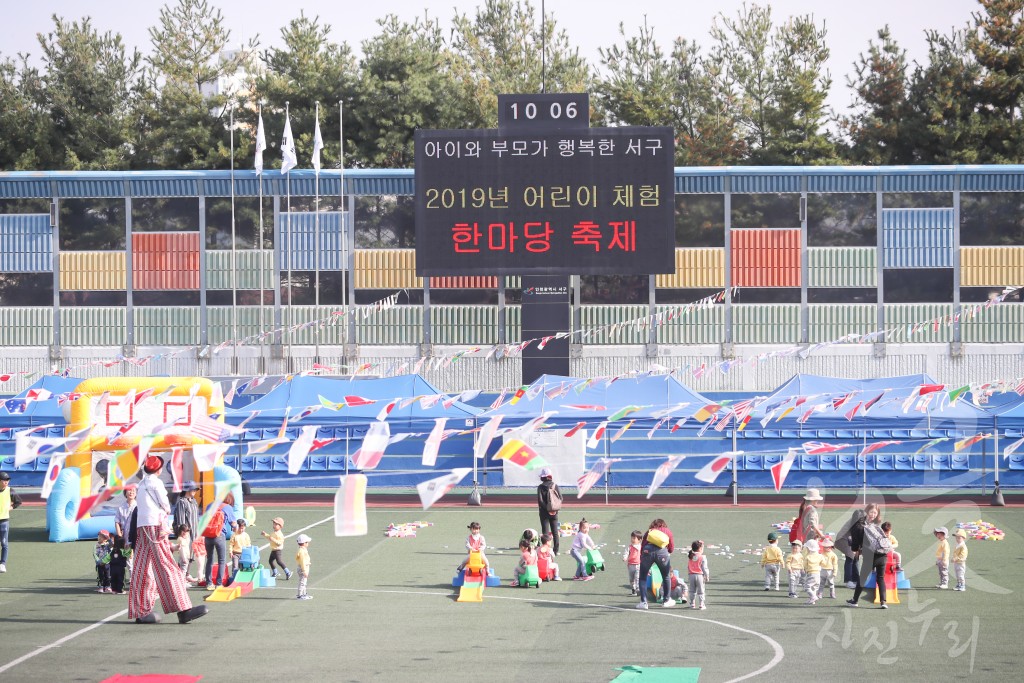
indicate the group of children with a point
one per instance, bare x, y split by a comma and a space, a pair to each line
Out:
692, 590
189, 551
942, 558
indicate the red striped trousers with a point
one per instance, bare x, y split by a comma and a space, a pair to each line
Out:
154, 572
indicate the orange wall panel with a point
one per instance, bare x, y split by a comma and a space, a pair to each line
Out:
465, 282
765, 258
165, 260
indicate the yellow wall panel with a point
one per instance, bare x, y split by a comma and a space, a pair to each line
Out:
695, 268
386, 269
93, 270
991, 266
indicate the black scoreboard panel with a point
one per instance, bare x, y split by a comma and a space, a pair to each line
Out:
570, 202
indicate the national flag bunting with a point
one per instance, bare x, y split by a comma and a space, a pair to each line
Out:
661, 474
518, 453
487, 432
870, 448
374, 444
432, 490
969, 441
350, 506
780, 470
52, 472
710, 471
595, 438
433, 444
587, 481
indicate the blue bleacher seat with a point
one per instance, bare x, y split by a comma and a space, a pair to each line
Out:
54, 432
231, 460
940, 461
264, 463
42, 464
923, 461
336, 462
267, 434
1016, 461
316, 463
882, 461
6, 434
828, 462
247, 463
772, 433
901, 433
808, 462
292, 433
903, 462
27, 467
790, 434
253, 435
769, 460
847, 461
280, 463
1013, 433
918, 433
880, 434
752, 462
959, 461
808, 434
865, 462
825, 433
7, 462
846, 434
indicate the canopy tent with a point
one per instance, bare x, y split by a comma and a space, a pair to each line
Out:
889, 403
294, 396
38, 412
573, 400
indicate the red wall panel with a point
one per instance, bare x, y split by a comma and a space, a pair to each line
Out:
465, 282
165, 260
765, 258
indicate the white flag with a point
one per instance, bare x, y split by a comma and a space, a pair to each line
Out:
374, 443
300, 448
318, 144
483, 442
432, 490
710, 472
206, 455
288, 158
780, 470
661, 474
28, 448
350, 506
261, 144
52, 472
434, 442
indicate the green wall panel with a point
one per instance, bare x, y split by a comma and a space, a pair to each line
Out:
165, 325
1000, 323
26, 326
464, 324
93, 326
247, 323
828, 322
766, 324
842, 266
330, 333
613, 324
706, 326
251, 265
398, 325
904, 316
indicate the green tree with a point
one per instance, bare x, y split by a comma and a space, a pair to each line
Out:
89, 88
505, 49
310, 68
182, 126
880, 129
640, 88
997, 45
22, 121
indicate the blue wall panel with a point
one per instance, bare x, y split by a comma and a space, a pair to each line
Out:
298, 240
26, 243
917, 238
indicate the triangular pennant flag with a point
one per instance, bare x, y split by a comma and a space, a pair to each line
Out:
1012, 448
300, 448
780, 470
374, 444
257, 447
28, 447
710, 472
207, 455
220, 492
433, 444
90, 503
350, 506
518, 453
177, 469
933, 442
661, 474
870, 448
955, 394
572, 432
386, 410
432, 490
622, 431
969, 441
485, 437
623, 412
587, 481
52, 472
876, 399
595, 438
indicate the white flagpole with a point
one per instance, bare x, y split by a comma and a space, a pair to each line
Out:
316, 237
260, 142
343, 227
288, 242
234, 263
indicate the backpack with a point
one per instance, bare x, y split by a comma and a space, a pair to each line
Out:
875, 540
554, 500
216, 525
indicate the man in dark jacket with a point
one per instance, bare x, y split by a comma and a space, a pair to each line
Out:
10, 500
549, 502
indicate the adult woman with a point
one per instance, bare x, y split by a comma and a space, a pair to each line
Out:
155, 572
549, 502
843, 541
872, 562
810, 526
219, 544
656, 548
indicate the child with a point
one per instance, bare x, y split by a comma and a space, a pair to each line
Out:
960, 560
527, 557
942, 557
698, 569
532, 536
183, 544
795, 566
475, 541
239, 541
897, 559
302, 566
580, 544
678, 589
199, 555
546, 551
101, 556
771, 560
276, 546
829, 567
812, 570
632, 559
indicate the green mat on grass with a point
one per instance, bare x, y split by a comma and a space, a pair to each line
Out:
657, 674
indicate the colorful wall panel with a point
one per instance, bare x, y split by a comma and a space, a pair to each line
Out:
167, 325
842, 267
93, 326
695, 268
766, 258
991, 266
832, 321
386, 269
704, 326
398, 325
255, 269
26, 326
766, 323
907, 317
93, 270
26, 243
999, 324
300, 239
465, 282
614, 324
165, 260
464, 324
917, 238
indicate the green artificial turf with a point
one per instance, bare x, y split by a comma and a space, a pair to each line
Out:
384, 608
